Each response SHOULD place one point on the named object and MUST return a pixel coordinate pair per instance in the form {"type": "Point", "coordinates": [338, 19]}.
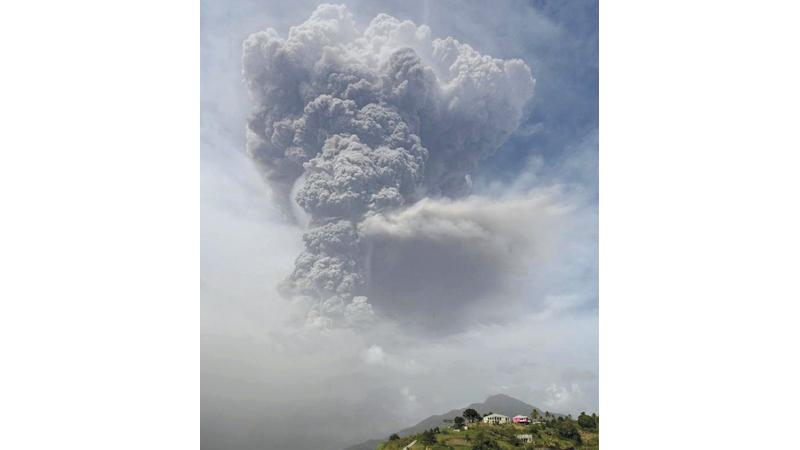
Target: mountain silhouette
{"type": "Point", "coordinates": [498, 403]}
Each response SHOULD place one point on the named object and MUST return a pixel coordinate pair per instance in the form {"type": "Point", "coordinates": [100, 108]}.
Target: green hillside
{"type": "Point", "coordinates": [561, 433]}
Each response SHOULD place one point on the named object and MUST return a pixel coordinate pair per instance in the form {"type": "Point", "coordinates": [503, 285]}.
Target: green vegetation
{"type": "Point", "coordinates": [588, 422]}
{"type": "Point", "coordinates": [562, 433]}
{"type": "Point", "coordinates": [471, 415]}
{"type": "Point", "coordinates": [484, 442]}
{"type": "Point", "coordinates": [428, 437]}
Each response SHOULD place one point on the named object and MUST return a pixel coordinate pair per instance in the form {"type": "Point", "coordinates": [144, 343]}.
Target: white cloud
{"type": "Point", "coordinates": [374, 355]}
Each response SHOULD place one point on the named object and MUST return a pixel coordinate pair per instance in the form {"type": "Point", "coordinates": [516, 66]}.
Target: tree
{"type": "Point", "coordinates": [394, 437]}
{"type": "Point", "coordinates": [428, 437]}
{"type": "Point", "coordinates": [458, 421]}
{"type": "Point", "coordinates": [568, 430]}
{"type": "Point", "coordinates": [589, 422]}
{"type": "Point", "coordinates": [535, 414]}
{"type": "Point", "coordinates": [471, 415]}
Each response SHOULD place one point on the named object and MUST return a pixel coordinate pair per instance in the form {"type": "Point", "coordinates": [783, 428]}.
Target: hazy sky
{"type": "Point", "coordinates": [491, 292]}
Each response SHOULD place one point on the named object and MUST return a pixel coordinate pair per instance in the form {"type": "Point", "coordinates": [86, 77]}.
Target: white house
{"type": "Point", "coordinates": [525, 438]}
{"type": "Point", "coordinates": [496, 419]}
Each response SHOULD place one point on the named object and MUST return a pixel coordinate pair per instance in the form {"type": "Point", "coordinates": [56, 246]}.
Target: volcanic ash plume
{"type": "Point", "coordinates": [355, 124]}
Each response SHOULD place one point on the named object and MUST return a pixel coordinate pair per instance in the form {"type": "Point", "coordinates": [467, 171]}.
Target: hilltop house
{"type": "Point", "coordinates": [525, 438]}
{"type": "Point", "coordinates": [521, 419]}
{"type": "Point", "coordinates": [496, 419]}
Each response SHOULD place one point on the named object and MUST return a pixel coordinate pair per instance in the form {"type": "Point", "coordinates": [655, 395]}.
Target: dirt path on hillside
{"type": "Point", "coordinates": [407, 447]}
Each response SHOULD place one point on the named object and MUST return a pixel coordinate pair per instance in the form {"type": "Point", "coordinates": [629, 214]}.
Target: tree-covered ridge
{"type": "Point", "coordinates": [466, 432]}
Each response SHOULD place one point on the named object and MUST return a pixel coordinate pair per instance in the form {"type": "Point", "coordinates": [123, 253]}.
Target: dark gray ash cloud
{"type": "Point", "coordinates": [357, 124]}
{"type": "Point", "coordinates": [435, 260]}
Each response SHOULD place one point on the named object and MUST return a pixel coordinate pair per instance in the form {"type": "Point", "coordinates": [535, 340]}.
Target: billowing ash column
{"type": "Point", "coordinates": [368, 122]}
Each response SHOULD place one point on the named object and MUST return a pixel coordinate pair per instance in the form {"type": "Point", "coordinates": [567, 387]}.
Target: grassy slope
{"type": "Point", "coordinates": [501, 434]}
